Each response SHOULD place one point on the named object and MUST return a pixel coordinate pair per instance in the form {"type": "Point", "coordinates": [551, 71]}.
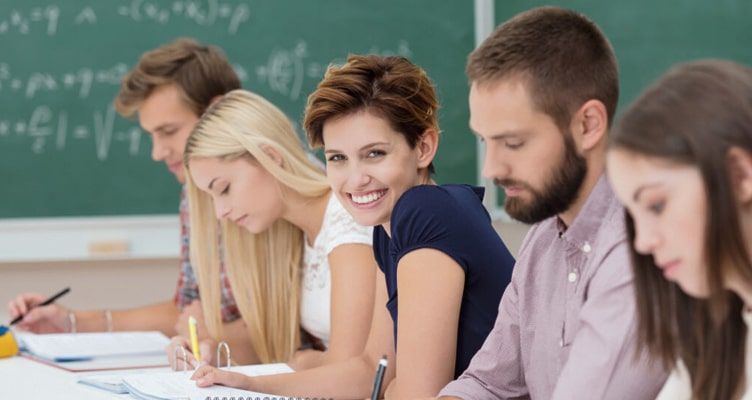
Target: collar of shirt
{"type": "Point", "coordinates": [590, 220]}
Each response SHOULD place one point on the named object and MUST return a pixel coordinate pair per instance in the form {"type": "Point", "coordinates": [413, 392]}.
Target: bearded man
{"type": "Point", "coordinates": [544, 89]}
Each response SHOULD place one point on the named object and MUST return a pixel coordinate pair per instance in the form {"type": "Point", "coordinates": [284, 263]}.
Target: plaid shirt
{"type": "Point", "coordinates": [187, 287]}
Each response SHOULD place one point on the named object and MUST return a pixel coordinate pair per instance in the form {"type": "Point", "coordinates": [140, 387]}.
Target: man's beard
{"type": "Point", "coordinates": [558, 193]}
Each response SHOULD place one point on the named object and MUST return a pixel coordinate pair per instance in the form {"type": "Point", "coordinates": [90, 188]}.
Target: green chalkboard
{"type": "Point", "coordinates": [650, 36]}
{"type": "Point", "coordinates": [65, 152]}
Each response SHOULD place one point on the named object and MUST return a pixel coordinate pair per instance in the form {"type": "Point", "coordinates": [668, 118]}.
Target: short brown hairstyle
{"type": "Point", "coordinates": [389, 87]}
{"type": "Point", "coordinates": [199, 72]}
{"type": "Point", "coordinates": [563, 57]}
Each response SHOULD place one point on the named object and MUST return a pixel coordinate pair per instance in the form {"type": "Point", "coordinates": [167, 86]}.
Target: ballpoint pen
{"type": "Point", "coordinates": [379, 378]}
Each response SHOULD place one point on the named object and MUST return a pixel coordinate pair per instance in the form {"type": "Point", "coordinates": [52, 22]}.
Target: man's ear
{"type": "Point", "coordinates": [739, 164]}
{"type": "Point", "coordinates": [590, 124]}
{"type": "Point", "coordinates": [426, 147]}
{"type": "Point", "coordinates": [215, 99]}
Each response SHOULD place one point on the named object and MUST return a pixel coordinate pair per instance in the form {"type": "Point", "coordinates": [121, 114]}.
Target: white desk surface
{"type": "Point", "coordinates": [28, 379]}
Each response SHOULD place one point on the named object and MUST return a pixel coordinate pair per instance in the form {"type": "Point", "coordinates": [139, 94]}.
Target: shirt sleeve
{"type": "Point", "coordinates": [229, 310]}
{"type": "Point", "coordinates": [425, 217]}
{"type": "Point", "coordinates": [187, 287]}
{"type": "Point", "coordinates": [600, 363]}
{"type": "Point", "coordinates": [342, 228]}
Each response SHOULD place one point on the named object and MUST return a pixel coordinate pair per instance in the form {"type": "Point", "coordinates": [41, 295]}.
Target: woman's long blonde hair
{"type": "Point", "coordinates": [264, 269]}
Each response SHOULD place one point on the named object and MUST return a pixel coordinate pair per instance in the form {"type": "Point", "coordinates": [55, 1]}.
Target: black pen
{"type": "Point", "coordinates": [379, 378]}
{"type": "Point", "coordinates": [44, 303]}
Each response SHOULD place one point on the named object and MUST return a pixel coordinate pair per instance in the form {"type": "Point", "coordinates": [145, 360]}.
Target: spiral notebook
{"type": "Point", "coordinates": [178, 385]}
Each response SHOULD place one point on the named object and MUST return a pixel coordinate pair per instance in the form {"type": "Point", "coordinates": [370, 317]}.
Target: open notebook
{"type": "Point", "coordinates": [85, 346]}
{"type": "Point", "coordinates": [97, 350]}
{"type": "Point", "coordinates": [178, 385]}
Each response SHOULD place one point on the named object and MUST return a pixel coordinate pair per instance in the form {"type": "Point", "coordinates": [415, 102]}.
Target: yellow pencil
{"type": "Point", "coordinates": [194, 338]}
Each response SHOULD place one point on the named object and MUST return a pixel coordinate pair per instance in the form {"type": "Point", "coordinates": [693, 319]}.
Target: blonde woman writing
{"type": "Point", "coordinates": [295, 257]}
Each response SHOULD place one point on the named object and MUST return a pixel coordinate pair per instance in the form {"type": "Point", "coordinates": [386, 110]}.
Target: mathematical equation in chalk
{"type": "Point", "coordinates": [50, 130]}
{"type": "Point", "coordinates": [79, 81]}
{"type": "Point", "coordinates": [48, 19]}
{"type": "Point", "coordinates": [286, 71]}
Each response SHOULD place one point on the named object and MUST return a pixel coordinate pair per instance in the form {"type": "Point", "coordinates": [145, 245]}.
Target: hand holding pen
{"type": "Point", "coordinates": [38, 313]}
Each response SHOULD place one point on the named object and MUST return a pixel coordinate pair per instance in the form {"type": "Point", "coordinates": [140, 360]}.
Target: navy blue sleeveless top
{"type": "Point", "coordinates": [451, 219]}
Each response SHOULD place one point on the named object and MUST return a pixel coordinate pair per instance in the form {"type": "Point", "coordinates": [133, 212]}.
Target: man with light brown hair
{"type": "Point", "coordinates": [544, 90]}
{"type": "Point", "coordinates": [167, 91]}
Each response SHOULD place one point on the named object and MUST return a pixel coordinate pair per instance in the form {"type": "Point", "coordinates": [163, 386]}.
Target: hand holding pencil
{"type": "Point", "coordinates": [192, 351]}
{"type": "Point", "coordinates": [184, 359]}
{"type": "Point", "coordinates": [194, 338]}
{"type": "Point", "coordinates": [39, 313]}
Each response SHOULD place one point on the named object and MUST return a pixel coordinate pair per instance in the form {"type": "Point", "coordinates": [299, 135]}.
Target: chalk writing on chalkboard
{"type": "Point", "coordinates": [79, 81]}
{"type": "Point", "coordinates": [38, 17]}
{"type": "Point", "coordinates": [286, 69]}
{"type": "Point", "coordinates": [63, 61]}
{"type": "Point", "coordinates": [51, 130]}
{"type": "Point", "coordinates": [285, 72]}
{"type": "Point", "coordinates": [204, 13]}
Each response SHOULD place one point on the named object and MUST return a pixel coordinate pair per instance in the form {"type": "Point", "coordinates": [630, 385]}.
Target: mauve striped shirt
{"type": "Point", "coordinates": [565, 328]}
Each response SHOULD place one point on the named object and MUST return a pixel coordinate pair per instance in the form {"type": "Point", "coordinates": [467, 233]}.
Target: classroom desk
{"type": "Point", "coordinates": [23, 378]}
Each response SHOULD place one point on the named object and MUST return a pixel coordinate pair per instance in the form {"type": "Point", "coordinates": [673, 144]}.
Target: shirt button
{"type": "Point", "coordinates": [586, 248]}
{"type": "Point", "coordinates": [561, 342]}
{"type": "Point", "coordinates": [572, 277]}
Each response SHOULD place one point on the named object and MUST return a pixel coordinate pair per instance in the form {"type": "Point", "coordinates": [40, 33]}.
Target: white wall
{"type": "Point", "coordinates": [511, 233]}
{"type": "Point", "coordinates": [56, 239]}
{"type": "Point", "coordinates": [109, 262]}
{"type": "Point", "coordinates": [95, 284]}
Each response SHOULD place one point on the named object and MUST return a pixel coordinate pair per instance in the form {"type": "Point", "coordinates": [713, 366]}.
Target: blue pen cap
{"type": "Point", "coordinates": [8, 345]}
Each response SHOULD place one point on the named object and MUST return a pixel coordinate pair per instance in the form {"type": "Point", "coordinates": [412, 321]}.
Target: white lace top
{"type": "Point", "coordinates": [337, 229]}
{"type": "Point", "coordinates": [679, 386]}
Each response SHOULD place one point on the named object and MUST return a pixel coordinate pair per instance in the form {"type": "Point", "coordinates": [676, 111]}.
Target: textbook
{"type": "Point", "coordinates": [97, 350]}
{"type": "Point", "coordinates": [177, 385]}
